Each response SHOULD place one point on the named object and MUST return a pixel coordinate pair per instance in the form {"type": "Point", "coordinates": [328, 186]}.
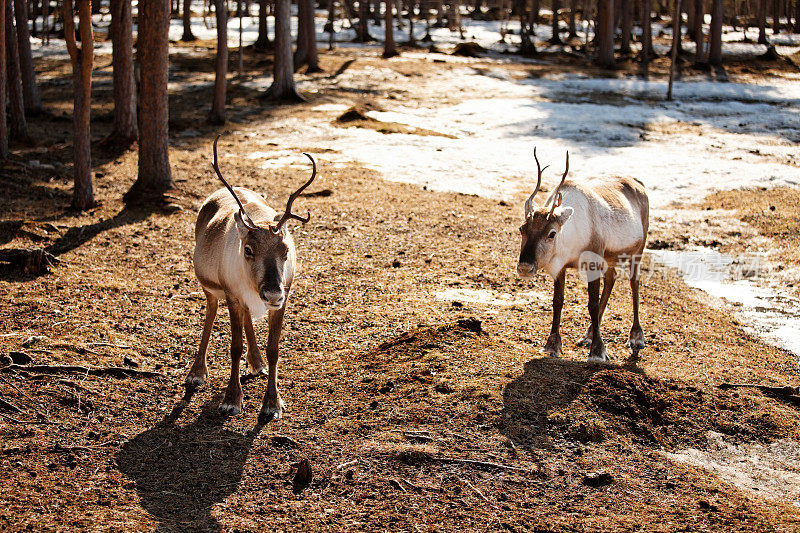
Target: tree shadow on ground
{"type": "Point", "coordinates": [547, 385]}
{"type": "Point", "coordinates": [181, 472]}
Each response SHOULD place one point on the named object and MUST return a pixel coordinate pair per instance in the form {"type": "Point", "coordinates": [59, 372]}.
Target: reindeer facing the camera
{"type": "Point", "coordinates": [246, 255]}
{"type": "Point", "coordinates": [590, 225]}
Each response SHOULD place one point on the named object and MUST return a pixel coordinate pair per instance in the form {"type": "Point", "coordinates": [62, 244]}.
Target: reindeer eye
{"type": "Point", "coordinates": [248, 252]}
{"type": "Point", "coordinates": [552, 234]}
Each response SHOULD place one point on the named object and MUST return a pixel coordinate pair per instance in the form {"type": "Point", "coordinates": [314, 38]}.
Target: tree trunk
{"type": "Point", "coordinates": [797, 16]}
{"type": "Point", "coordinates": [363, 22]}
{"type": "Point", "coordinates": [556, 38]}
{"type": "Point", "coordinates": [18, 127]}
{"type": "Point", "coordinates": [762, 22]}
{"type": "Point", "coordinates": [283, 87]}
{"type": "Point", "coordinates": [262, 41]}
{"type": "Point", "coordinates": [647, 34]}
{"type": "Point", "coordinates": [217, 115]}
{"type": "Point", "coordinates": [3, 92]}
{"type": "Point", "coordinates": [187, 22]}
{"type": "Point", "coordinates": [155, 176]}
{"type": "Point", "coordinates": [676, 44]}
{"type": "Point", "coordinates": [715, 39]}
{"type": "Point", "coordinates": [30, 93]}
{"type": "Point", "coordinates": [626, 27]}
{"type": "Point", "coordinates": [605, 34]}
{"type": "Point", "coordinates": [125, 130]}
{"type": "Point", "coordinates": [699, 40]}
{"type": "Point", "coordinates": [389, 48]}
{"type": "Point", "coordinates": [535, 8]}
{"type": "Point", "coordinates": [573, 8]}
{"type": "Point", "coordinates": [306, 53]}
{"type": "Point", "coordinates": [776, 17]}
{"type": "Point", "coordinates": [691, 26]}
{"type": "Point", "coordinates": [82, 62]}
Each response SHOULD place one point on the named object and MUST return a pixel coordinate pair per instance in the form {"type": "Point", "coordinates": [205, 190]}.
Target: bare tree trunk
{"type": "Point", "coordinates": [605, 34]}
{"type": "Point", "coordinates": [283, 87]}
{"type": "Point", "coordinates": [187, 22]}
{"type": "Point", "coordinates": [262, 41]}
{"type": "Point", "coordinates": [626, 27]}
{"type": "Point", "coordinates": [556, 38]}
{"type": "Point", "coordinates": [691, 25]}
{"type": "Point", "coordinates": [18, 126]}
{"type": "Point", "coordinates": [82, 62]}
{"type": "Point", "coordinates": [776, 17]}
{"type": "Point", "coordinates": [573, 8]}
{"type": "Point", "coordinates": [217, 115]}
{"type": "Point", "coordinates": [715, 38]}
{"type": "Point", "coordinates": [389, 48]}
{"type": "Point", "coordinates": [647, 34]}
{"type": "Point", "coordinates": [125, 130]}
{"type": "Point", "coordinates": [797, 16]}
{"type": "Point", "coordinates": [363, 22]}
{"type": "Point", "coordinates": [676, 43]}
{"type": "Point", "coordinates": [155, 176]}
{"type": "Point", "coordinates": [306, 53]}
{"type": "Point", "coordinates": [535, 8]}
{"type": "Point", "coordinates": [3, 76]}
{"type": "Point", "coordinates": [762, 22]}
{"type": "Point", "coordinates": [30, 93]}
{"type": "Point", "coordinates": [699, 16]}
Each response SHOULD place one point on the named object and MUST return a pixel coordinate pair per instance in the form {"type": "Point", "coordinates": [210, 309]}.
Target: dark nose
{"type": "Point", "coordinates": [272, 297]}
{"type": "Point", "coordinates": [525, 269]}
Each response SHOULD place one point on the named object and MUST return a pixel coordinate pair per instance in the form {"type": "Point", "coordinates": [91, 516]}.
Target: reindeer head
{"type": "Point", "coordinates": [541, 227]}
{"type": "Point", "coordinates": [266, 251]}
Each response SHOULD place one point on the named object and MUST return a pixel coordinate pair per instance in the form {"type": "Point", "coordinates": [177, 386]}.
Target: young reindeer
{"type": "Point", "coordinates": [590, 225]}
{"type": "Point", "coordinates": [245, 254]}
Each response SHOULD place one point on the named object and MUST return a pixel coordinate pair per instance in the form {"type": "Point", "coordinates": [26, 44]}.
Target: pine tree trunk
{"type": "Point", "coordinates": [389, 48]}
{"type": "Point", "coordinates": [762, 22]}
{"type": "Point", "coordinates": [262, 41]}
{"type": "Point", "coordinates": [301, 50]}
{"type": "Point", "coordinates": [283, 87]}
{"type": "Point", "coordinates": [155, 176]}
{"type": "Point", "coordinates": [82, 62]}
{"type": "Point", "coordinates": [30, 93]}
{"type": "Point", "coordinates": [363, 22]}
{"type": "Point", "coordinates": [125, 130]}
{"type": "Point", "coordinates": [3, 76]}
{"type": "Point", "coordinates": [699, 16]}
{"type": "Point", "coordinates": [573, 8]}
{"type": "Point", "coordinates": [626, 27]}
{"type": "Point", "coordinates": [605, 34]}
{"type": "Point", "coordinates": [18, 126]}
{"type": "Point", "coordinates": [776, 17]}
{"type": "Point", "coordinates": [556, 38]}
{"type": "Point", "coordinates": [187, 22]}
{"type": "Point", "coordinates": [715, 39]}
{"type": "Point", "coordinates": [217, 115]}
{"type": "Point", "coordinates": [312, 58]}
{"type": "Point", "coordinates": [647, 34]}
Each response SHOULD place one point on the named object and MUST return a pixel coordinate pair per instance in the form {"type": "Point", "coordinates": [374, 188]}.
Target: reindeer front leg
{"type": "Point", "coordinates": [273, 407]}
{"type": "Point", "coordinates": [553, 345]}
{"type": "Point", "coordinates": [232, 402]}
{"type": "Point", "coordinates": [254, 359]}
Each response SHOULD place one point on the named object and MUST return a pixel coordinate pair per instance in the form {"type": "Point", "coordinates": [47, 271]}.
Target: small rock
{"type": "Point", "coordinates": [597, 479]}
{"type": "Point", "coordinates": [20, 358]}
{"type": "Point", "coordinates": [303, 476]}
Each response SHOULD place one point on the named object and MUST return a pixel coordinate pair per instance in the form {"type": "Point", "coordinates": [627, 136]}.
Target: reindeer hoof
{"type": "Point", "coordinates": [584, 342]}
{"type": "Point", "coordinates": [193, 383]}
{"type": "Point", "coordinates": [269, 414]}
{"type": "Point", "coordinates": [636, 344]}
{"type": "Point", "coordinates": [229, 409]}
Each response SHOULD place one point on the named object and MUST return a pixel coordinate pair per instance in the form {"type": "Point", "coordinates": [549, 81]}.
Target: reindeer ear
{"type": "Point", "coordinates": [562, 214]}
{"type": "Point", "coordinates": [240, 225]}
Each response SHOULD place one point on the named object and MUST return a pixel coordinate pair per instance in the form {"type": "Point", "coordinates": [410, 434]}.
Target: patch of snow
{"type": "Point", "coordinates": [489, 298]}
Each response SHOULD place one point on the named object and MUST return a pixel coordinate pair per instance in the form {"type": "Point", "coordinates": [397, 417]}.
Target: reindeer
{"type": "Point", "coordinates": [245, 254]}
{"type": "Point", "coordinates": [591, 225]}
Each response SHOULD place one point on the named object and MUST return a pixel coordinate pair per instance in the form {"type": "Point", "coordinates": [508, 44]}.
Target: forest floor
{"type": "Point", "coordinates": [411, 362]}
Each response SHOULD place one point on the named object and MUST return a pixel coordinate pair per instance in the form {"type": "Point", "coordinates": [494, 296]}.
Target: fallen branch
{"type": "Point", "coordinates": [481, 464]}
{"type": "Point", "coordinates": [785, 390]}
{"type": "Point", "coordinates": [17, 421]}
{"type": "Point", "coordinates": [478, 492]}
{"type": "Point", "coordinates": [112, 371]}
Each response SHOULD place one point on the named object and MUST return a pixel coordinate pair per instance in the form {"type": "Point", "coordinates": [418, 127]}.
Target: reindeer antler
{"type": "Point", "coordinates": [288, 213]}
{"type": "Point", "coordinates": [539, 170]}
{"type": "Point", "coordinates": [557, 195]}
{"type": "Point", "coordinates": [246, 220]}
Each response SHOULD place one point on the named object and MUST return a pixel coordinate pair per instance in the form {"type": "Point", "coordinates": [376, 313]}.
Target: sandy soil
{"type": "Point", "coordinates": [390, 390]}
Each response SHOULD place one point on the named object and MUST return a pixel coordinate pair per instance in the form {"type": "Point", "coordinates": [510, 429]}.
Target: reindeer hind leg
{"type": "Point", "coordinates": [199, 371]}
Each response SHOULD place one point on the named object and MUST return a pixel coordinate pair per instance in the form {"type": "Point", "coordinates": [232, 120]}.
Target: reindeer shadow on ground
{"type": "Point", "coordinates": [181, 472]}
{"type": "Point", "coordinates": [547, 386]}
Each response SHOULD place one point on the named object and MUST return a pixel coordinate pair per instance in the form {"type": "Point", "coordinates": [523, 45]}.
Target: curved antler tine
{"type": "Point", "coordinates": [539, 170]}
{"type": "Point", "coordinates": [288, 213]}
{"type": "Point", "coordinates": [557, 198]}
{"type": "Point", "coordinates": [245, 217]}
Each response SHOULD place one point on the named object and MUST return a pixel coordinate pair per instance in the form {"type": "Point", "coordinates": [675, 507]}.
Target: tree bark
{"type": "Point", "coordinates": [626, 27]}
{"type": "Point", "coordinates": [363, 22]}
{"type": "Point", "coordinates": [30, 92]}
{"type": "Point", "coordinates": [306, 53]}
{"type": "Point", "coordinates": [155, 176]}
{"type": "Point", "coordinates": [715, 38]}
{"type": "Point", "coordinates": [18, 126]}
{"type": "Point", "coordinates": [3, 76]}
{"type": "Point", "coordinates": [699, 39]}
{"type": "Point", "coordinates": [262, 41]}
{"type": "Point", "coordinates": [125, 130]}
{"type": "Point", "coordinates": [605, 34]}
{"type": "Point", "coordinates": [82, 62]}
{"type": "Point", "coordinates": [556, 38]}
{"type": "Point", "coordinates": [283, 87]}
{"type": "Point", "coordinates": [762, 22]}
{"type": "Point", "coordinates": [217, 115]}
{"type": "Point", "coordinates": [389, 48]}
{"type": "Point", "coordinates": [676, 44]}
{"type": "Point", "coordinates": [187, 22]}
{"type": "Point", "coordinates": [776, 17]}
{"type": "Point", "coordinates": [647, 34]}
{"type": "Point", "coordinates": [573, 8]}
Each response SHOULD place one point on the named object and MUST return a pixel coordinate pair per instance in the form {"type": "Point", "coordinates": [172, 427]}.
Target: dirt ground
{"type": "Point", "coordinates": [414, 412]}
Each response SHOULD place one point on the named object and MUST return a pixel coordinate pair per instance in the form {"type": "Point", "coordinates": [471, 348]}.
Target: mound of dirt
{"type": "Point", "coordinates": [470, 49]}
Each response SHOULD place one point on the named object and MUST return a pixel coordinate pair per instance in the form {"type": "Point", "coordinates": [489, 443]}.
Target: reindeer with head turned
{"type": "Point", "coordinates": [245, 254]}
{"type": "Point", "coordinates": [591, 225]}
